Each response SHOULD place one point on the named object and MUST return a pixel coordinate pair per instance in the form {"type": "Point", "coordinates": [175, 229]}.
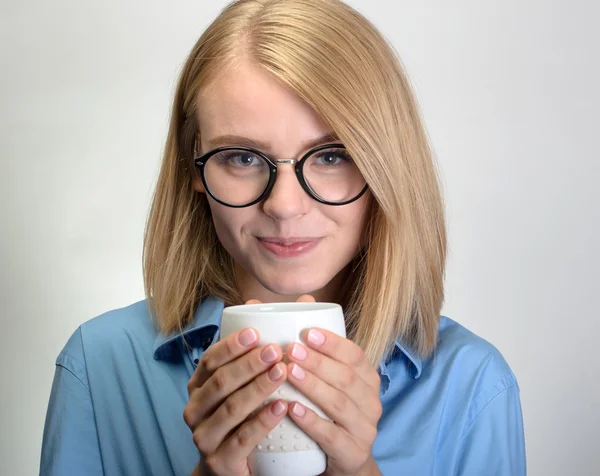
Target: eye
{"type": "Point", "coordinates": [239, 158]}
{"type": "Point", "coordinates": [332, 158]}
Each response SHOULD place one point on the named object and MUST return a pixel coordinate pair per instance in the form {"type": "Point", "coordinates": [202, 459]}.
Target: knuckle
{"type": "Point", "coordinates": [378, 409]}
{"type": "Point", "coordinates": [251, 365]}
{"type": "Point", "coordinates": [316, 360]}
{"type": "Point", "coordinates": [371, 434]}
{"type": "Point", "coordinates": [262, 423]}
{"type": "Point", "coordinates": [347, 378]}
{"type": "Point", "coordinates": [263, 385]}
{"type": "Point", "coordinates": [230, 344]}
{"type": "Point", "coordinates": [230, 407]}
{"type": "Point", "coordinates": [208, 363]}
{"type": "Point", "coordinates": [341, 403]}
{"type": "Point", "coordinates": [188, 416]}
{"type": "Point", "coordinates": [357, 358]}
{"type": "Point", "coordinates": [199, 440]}
{"type": "Point", "coordinates": [265, 421]}
{"type": "Point", "coordinates": [219, 381]}
{"type": "Point", "coordinates": [330, 438]}
{"type": "Point", "coordinates": [243, 437]}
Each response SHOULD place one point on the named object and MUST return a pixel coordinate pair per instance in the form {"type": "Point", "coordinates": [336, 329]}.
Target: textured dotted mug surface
{"type": "Point", "coordinates": [287, 436]}
{"type": "Point", "coordinates": [286, 449]}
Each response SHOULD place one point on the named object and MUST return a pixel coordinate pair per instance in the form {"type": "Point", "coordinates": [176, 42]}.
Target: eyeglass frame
{"type": "Point", "coordinates": [201, 161]}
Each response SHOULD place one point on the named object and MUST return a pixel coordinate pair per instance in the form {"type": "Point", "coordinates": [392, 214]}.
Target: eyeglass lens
{"type": "Point", "coordinates": [238, 177]}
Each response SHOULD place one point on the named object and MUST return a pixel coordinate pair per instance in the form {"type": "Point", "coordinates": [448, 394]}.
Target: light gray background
{"type": "Point", "coordinates": [509, 92]}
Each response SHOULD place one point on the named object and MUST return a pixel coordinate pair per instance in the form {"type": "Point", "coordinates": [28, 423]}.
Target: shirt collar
{"type": "Point", "coordinates": [410, 354]}
{"type": "Point", "coordinates": [199, 333]}
{"type": "Point", "coordinates": [399, 349]}
{"type": "Point", "coordinates": [204, 328]}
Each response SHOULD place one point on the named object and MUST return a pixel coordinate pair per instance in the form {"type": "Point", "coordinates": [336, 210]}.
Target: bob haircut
{"type": "Point", "coordinates": [339, 63]}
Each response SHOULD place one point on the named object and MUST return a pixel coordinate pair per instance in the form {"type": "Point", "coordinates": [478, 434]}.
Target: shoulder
{"type": "Point", "coordinates": [474, 366]}
{"type": "Point", "coordinates": [121, 323]}
{"type": "Point", "coordinates": [458, 345]}
{"type": "Point", "coordinates": [110, 333]}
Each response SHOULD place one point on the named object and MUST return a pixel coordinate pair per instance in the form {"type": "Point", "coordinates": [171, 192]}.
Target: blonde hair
{"type": "Point", "coordinates": [337, 61]}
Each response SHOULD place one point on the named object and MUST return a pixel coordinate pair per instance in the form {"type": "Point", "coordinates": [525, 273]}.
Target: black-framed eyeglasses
{"type": "Point", "coordinates": [239, 177]}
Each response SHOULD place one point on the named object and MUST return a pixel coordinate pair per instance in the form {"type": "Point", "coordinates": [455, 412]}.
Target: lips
{"type": "Point", "coordinates": [287, 241]}
{"type": "Point", "coordinates": [288, 247]}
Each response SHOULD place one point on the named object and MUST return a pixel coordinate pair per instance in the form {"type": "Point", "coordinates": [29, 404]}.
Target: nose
{"type": "Point", "coordinates": [287, 198]}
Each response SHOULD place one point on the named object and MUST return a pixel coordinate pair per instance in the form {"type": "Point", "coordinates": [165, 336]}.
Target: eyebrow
{"type": "Point", "coordinates": [231, 139]}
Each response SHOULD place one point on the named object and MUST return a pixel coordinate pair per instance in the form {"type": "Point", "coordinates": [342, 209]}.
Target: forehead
{"type": "Point", "coordinates": [247, 101]}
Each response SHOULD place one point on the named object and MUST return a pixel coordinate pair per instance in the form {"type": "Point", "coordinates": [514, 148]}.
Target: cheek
{"type": "Point", "coordinates": [230, 225]}
{"type": "Point", "coordinates": [365, 213]}
{"type": "Point", "coordinates": [227, 222]}
{"type": "Point", "coordinates": [352, 221]}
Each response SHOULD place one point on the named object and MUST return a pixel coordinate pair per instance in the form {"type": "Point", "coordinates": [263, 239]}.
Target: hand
{"type": "Point", "coordinates": [232, 379]}
{"type": "Point", "coordinates": [333, 373]}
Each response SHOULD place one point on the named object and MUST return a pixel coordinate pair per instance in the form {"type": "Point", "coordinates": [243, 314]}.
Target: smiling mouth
{"type": "Point", "coordinates": [288, 247]}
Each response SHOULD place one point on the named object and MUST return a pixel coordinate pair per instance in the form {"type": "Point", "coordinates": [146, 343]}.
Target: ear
{"type": "Point", "coordinates": [197, 182]}
{"type": "Point", "coordinates": [196, 178]}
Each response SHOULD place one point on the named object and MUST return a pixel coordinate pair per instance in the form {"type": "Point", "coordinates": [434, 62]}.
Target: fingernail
{"type": "Point", "coordinates": [298, 352]}
{"type": "Point", "coordinates": [278, 408]}
{"type": "Point", "coordinates": [275, 373]}
{"type": "Point", "coordinates": [298, 410]}
{"type": "Point", "coordinates": [315, 337]}
{"type": "Point", "coordinates": [268, 354]}
{"type": "Point", "coordinates": [247, 337]}
{"type": "Point", "coordinates": [297, 372]}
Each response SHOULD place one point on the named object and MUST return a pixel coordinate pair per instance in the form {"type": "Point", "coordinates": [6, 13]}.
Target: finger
{"type": "Point", "coordinates": [341, 449]}
{"type": "Point", "coordinates": [344, 350]}
{"type": "Point", "coordinates": [305, 298]}
{"type": "Point", "coordinates": [221, 353]}
{"type": "Point", "coordinates": [339, 376]}
{"type": "Point", "coordinates": [226, 380]}
{"type": "Point", "coordinates": [236, 408]}
{"type": "Point", "coordinates": [336, 404]}
{"type": "Point", "coordinates": [238, 446]}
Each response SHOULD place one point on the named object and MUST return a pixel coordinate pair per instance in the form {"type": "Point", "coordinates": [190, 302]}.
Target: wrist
{"type": "Point", "coordinates": [370, 469]}
{"type": "Point", "coordinates": [196, 471]}
{"type": "Point", "coordinates": [200, 470]}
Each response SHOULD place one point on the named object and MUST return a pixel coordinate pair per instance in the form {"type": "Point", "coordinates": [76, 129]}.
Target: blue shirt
{"type": "Point", "coordinates": [119, 391]}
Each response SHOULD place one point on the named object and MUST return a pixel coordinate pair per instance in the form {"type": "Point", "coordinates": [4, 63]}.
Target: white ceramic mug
{"type": "Point", "coordinates": [287, 450]}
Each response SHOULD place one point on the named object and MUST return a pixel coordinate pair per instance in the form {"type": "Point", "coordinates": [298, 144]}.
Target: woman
{"type": "Point", "coordinates": [296, 167]}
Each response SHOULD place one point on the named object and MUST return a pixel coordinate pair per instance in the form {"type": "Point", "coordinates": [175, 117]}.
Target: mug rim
{"type": "Point", "coordinates": [281, 307]}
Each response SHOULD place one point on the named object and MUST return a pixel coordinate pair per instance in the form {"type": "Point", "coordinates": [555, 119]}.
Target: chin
{"type": "Point", "coordinates": [293, 285]}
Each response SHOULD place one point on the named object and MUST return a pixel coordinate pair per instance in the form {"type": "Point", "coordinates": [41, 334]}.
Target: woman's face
{"type": "Point", "coordinates": [289, 244]}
